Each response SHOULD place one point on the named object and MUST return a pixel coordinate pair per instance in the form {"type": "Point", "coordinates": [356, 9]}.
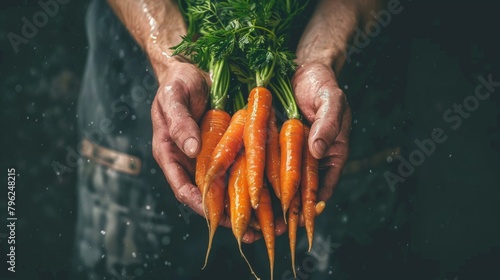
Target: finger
{"type": "Point", "coordinates": [183, 129]}
{"type": "Point", "coordinates": [177, 176]}
{"type": "Point", "coordinates": [251, 236]}
{"type": "Point", "coordinates": [330, 104]}
{"type": "Point", "coordinates": [178, 170]}
{"type": "Point", "coordinates": [336, 160]}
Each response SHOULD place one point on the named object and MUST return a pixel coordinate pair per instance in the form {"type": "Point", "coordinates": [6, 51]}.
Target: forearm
{"type": "Point", "coordinates": [156, 25]}
{"type": "Point", "coordinates": [327, 34]}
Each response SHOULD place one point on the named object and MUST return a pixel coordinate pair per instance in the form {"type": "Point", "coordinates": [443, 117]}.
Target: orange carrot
{"type": "Point", "coordinates": [239, 202]}
{"type": "Point", "coordinates": [213, 126]}
{"type": "Point", "coordinates": [273, 154]}
{"type": "Point", "coordinates": [226, 150]}
{"type": "Point", "coordinates": [214, 209]}
{"type": "Point", "coordinates": [254, 137]}
{"type": "Point", "coordinates": [265, 216]}
{"type": "Point", "coordinates": [291, 142]}
{"type": "Point", "coordinates": [309, 188]}
{"type": "Point", "coordinates": [293, 222]}
{"type": "Point", "coordinates": [214, 123]}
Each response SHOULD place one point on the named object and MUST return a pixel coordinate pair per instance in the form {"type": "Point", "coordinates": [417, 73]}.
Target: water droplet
{"type": "Point", "coordinates": [371, 171]}
{"type": "Point", "coordinates": [344, 218]}
{"type": "Point", "coordinates": [167, 263]}
{"type": "Point", "coordinates": [346, 87]}
{"type": "Point", "coordinates": [18, 88]}
{"type": "Point", "coordinates": [102, 257]}
{"type": "Point", "coordinates": [148, 207]}
{"type": "Point", "coordinates": [133, 117]}
{"type": "Point", "coordinates": [355, 121]}
{"type": "Point", "coordinates": [389, 159]}
{"type": "Point", "coordinates": [450, 155]}
{"type": "Point", "coordinates": [134, 255]}
{"type": "Point", "coordinates": [103, 232]}
{"type": "Point", "coordinates": [153, 171]}
{"type": "Point", "coordinates": [330, 272]}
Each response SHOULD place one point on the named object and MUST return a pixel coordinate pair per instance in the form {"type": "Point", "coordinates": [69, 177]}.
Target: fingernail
{"type": "Point", "coordinates": [190, 146]}
{"type": "Point", "coordinates": [319, 147]}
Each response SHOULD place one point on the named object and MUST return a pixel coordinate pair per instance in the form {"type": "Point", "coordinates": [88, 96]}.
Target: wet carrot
{"type": "Point", "coordinates": [213, 125]}
{"type": "Point", "coordinates": [226, 150]}
{"type": "Point", "coordinates": [293, 222]}
{"type": "Point", "coordinates": [214, 209]}
{"type": "Point", "coordinates": [239, 202]}
{"type": "Point", "coordinates": [291, 142]}
{"type": "Point", "coordinates": [265, 216]}
{"type": "Point", "coordinates": [254, 138]}
{"type": "Point", "coordinates": [273, 154]}
{"type": "Point", "coordinates": [309, 188]}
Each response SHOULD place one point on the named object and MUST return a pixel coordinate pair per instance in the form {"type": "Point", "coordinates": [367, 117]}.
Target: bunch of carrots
{"type": "Point", "coordinates": [240, 43]}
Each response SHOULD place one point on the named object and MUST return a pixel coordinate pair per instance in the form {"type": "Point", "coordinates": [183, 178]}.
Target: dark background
{"type": "Point", "coordinates": [455, 226]}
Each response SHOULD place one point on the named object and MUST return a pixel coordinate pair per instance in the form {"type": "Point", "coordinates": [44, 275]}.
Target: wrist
{"type": "Point", "coordinates": [326, 36]}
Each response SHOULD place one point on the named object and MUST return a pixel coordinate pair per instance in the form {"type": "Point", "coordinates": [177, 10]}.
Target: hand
{"type": "Point", "coordinates": [324, 105]}
{"type": "Point", "coordinates": [179, 104]}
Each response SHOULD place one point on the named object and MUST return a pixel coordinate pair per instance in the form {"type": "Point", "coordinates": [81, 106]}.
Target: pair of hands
{"type": "Point", "coordinates": [181, 101]}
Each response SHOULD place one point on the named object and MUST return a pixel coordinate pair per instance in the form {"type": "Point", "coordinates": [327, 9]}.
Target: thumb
{"type": "Point", "coordinates": [182, 128]}
{"type": "Point", "coordinates": [327, 121]}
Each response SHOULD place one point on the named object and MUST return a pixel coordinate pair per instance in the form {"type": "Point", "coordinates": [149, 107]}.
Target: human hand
{"type": "Point", "coordinates": [178, 105]}
{"type": "Point", "coordinates": [324, 106]}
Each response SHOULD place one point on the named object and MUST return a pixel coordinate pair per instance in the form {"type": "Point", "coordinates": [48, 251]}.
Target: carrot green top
{"type": "Point", "coordinates": [246, 37]}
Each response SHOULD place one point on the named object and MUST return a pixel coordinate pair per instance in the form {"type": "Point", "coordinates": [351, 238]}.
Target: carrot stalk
{"type": "Point", "coordinates": [273, 154]}
{"type": "Point", "coordinates": [293, 221]}
{"type": "Point", "coordinates": [309, 188]}
{"type": "Point", "coordinates": [265, 216]}
{"type": "Point", "coordinates": [239, 203]}
{"type": "Point", "coordinates": [226, 150]}
{"type": "Point", "coordinates": [291, 142]}
{"type": "Point", "coordinates": [254, 138]}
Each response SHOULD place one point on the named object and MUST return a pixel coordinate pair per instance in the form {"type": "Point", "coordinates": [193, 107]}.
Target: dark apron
{"type": "Point", "coordinates": [130, 226]}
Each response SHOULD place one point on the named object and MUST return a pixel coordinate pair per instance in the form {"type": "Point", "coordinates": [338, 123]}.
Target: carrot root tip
{"type": "Point", "coordinates": [246, 260]}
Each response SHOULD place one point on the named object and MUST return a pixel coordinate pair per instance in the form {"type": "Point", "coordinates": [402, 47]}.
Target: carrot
{"type": "Point", "coordinates": [291, 142]}
{"type": "Point", "coordinates": [239, 202]}
{"type": "Point", "coordinates": [226, 150]}
{"type": "Point", "coordinates": [293, 222]}
{"type": "Point", "coordinates": [213, 126]}
{"type": "Point", "coordinates": [273, 154]}
{"type": "Point", "coordinates": [309, 188]}
{"type": "Point", "coordinates": [265, 216]}
{"type": "Point", "coordinates": [214, 210]}
{"type": "Point", "coordinates": [254, 138]}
